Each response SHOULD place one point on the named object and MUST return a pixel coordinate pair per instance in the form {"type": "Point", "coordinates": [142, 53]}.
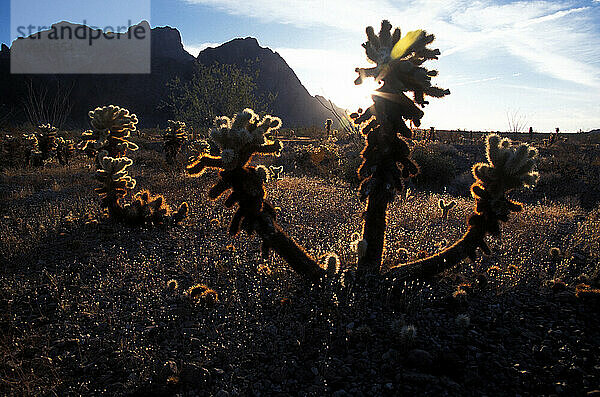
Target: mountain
{"type": "Point", "coordinates": [294, 104]}
{"type": "Point", "coordinates": [143, 93]}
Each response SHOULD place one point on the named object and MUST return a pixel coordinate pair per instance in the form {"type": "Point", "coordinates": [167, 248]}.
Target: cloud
{"type": "Point", "coordinates": [195, 49]}
{"type": "Point", "coordinates": [555, 38]}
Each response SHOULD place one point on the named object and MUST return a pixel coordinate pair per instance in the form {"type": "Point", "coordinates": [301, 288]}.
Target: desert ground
{"type": "Point", "coordinates": [88, 306]}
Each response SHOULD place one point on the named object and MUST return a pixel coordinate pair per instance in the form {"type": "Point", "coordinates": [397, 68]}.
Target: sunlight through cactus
{"type": "Point", "coordinates": [398, 66]}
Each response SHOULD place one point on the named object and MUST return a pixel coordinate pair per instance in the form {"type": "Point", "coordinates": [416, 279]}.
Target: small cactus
{"type": "Point", "coordinates": [174, 138]}
{"type": "Point", "coordinates": [112, 128]}
{"type": "Point", "coordinates": [328, 124]}
{"type": "Point", "coordinates": [172, 285]}
{"type": "Point", "coordinates": [332, 264]}
{"type": "Point", "coordinates": [201, 293]}
{"type": "Point", "coordinates": [446, 207]}
{"type": "Point", "coordinates": [276, 172]}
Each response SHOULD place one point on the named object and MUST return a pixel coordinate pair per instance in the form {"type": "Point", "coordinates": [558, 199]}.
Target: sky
{"type": "Point", "coordinates": [538, 60]}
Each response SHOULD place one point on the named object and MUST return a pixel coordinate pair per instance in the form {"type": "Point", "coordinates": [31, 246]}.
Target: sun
{"type": "Point", "coordinates": [351, 97]}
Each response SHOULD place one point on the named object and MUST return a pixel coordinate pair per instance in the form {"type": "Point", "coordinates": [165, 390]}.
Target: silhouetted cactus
{"type": "Point", "coordinates": [41, 146]}
{"type": "Point", "coordinates": [174, 137]}
{"type": "Point", "coordinates": [239, 139]}
{"type": "Point", "coordinates": [276, 172]}
{"type": "Point", "coordinates": [446, 207]}
{"type": "Point", "coordinates": [328, 124]}
{"type": "Point", "coordinates": [398, 66]}
{"type": "Point", "coordinates": [202, 294]}
{"type": "Point", "coordinates": [65, 150]}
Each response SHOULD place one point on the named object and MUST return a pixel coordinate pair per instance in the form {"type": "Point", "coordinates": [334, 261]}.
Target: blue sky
{"type": "Point", "coordinates": [537, 58]}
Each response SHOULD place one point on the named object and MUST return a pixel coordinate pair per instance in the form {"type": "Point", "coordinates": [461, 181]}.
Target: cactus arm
{"type": "Point", "coordinates": [286, 247]}
{"type": "Point", "coordinates": [433, 265]}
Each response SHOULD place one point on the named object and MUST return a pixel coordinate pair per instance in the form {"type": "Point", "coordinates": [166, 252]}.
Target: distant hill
{"type": "Point", "coordinates": [142, 94]}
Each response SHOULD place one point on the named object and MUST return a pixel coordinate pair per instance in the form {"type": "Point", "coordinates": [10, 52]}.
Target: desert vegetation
{"type": "Point", "coordinates": [374, 261]}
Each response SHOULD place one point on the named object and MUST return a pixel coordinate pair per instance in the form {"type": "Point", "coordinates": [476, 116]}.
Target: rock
{"type": "Point", "coordinates": [418, 358]}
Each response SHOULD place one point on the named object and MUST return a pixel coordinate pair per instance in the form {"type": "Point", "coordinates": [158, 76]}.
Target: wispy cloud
{"type": "Point", "coordinates": [555, 37]}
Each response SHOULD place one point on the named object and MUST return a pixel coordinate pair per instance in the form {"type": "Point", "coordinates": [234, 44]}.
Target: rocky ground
{"type": "Point", "coordinates": [86, 308]}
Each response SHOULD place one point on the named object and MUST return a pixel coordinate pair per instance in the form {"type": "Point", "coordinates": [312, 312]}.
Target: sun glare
{"type": "Point", "coordinates": [353, 96]}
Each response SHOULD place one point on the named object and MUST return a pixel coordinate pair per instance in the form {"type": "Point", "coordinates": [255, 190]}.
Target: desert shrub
{"type": "Point", "coordinates": [435, 169]}
{"type": "Point", "coordinates": [214, 90]}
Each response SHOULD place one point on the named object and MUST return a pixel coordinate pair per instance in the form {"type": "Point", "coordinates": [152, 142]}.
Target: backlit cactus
{"type": "Point", "coordinates": [386, 157]}
{"type": "Point", "coordinates": [175, 137]}
{"type": "Point", "coordinates": [42, 146]}
{"type": "Point", "coordinates": [64, 150]}
{"type": "Point", "coordinates": [239, 139]}
{"type": "Point", "coordinates": [328, 124]}
{"type": "Point", "coordinates": [111, 129]}
{"type": "Point", "coordinates": [446, 207]}
{"type": "Point", "coordinates": [113, 177]}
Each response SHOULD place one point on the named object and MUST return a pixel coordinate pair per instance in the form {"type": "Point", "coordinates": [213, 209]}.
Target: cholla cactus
{"type": "Point", "coordinates": [239, 139]}
{"type": "Point", "coordinates": [508, 168]}
{"type": "Point", "coordinates": [112, 127]}
{"type": "Point", "coordinates": [446, 207]}
{"type": "Point", "coordinates": [33, 155]}
{"type": "Point", "coordinates": [276, 172]}
{"type": "Point", "coordinates": [202, 294]}
{"type": "Point", "coordinates": [398, 66]}
{"type": "Point", "coordinates": [174, 137]}
{"type": "Point", "coordinates": [146, 208]}
{"type": "Point", "coordinates": [65, 149]}
{"type": "Point", "coordinates": [114, 180]}
{"type": "Point", "coordinates": [114, 124]}
{"type": "Point", "coordinates": [328, 124]}
{"type": "Point", "coordinates": [331, 264]}
{"type": "Point", "coordinates": [41, 146]}
{"type": "Point", "coordinates": [48, 141]}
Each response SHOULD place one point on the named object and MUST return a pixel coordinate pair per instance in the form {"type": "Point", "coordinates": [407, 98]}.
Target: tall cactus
{"type": "Point", "coordinates": [174, 137]}
{"type": "Point", "coordinates": [386, 157]}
